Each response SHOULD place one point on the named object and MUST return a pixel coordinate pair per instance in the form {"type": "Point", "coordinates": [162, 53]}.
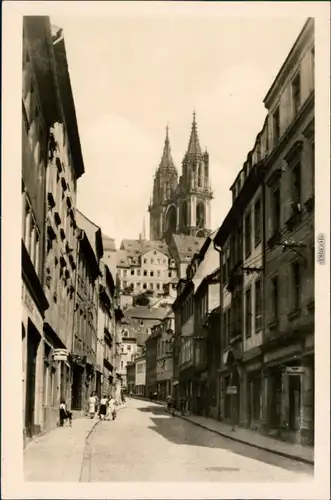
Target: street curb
{"type": "Point", "coordinates": [85, 469]}
{"type": "Point", "coordinates": [276, 452]}
{"type": "Point", "coordinates": [86, 453]}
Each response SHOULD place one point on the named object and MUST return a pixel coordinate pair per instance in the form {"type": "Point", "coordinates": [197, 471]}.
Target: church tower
{"type": "Point", "coordinates": [194, 193]}
{"type": "Point", "coordinates": [162, 208]}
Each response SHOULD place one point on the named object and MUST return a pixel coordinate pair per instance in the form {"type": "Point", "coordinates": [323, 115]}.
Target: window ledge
{"type": "Point", "coordinates": [310, 203]}
{"type": "Point", "coordinates": [293, 220]}
{"type": "Point", "coordinates": [258, 330]}
{"type": "Point", "coordinates": [294, 314]}
{"type": "Point", "coordinates": [273, 239]}
{"type": "Point", "coordinates": [235, 339]}
{"type": "Point", "coordinates": [273, 324]}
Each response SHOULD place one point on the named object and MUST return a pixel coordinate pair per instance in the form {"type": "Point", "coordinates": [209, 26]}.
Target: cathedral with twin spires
{"type": "Point", "coordinates": [181, 205]}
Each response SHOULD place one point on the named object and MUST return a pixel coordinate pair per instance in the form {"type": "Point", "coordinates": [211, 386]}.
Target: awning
{"type": "Point", "coordinates": [175, 382]}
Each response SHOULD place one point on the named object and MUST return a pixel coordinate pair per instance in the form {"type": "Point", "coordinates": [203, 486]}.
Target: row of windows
{"type": "Point", "coordinates": [253, 232]}
{"type": "Point", "coordinates": [292, 187]}
{"type": "Point", "coordinates": [186, 352]}
{"type": "Point", "coordinates": [137, 272]}
{"type": "Point", "coordinates": [147, 286]}
{"type": "Point", "coordinates": [128, 348]}
{"type": "Point", "coordinates": [163, 347]}
{"type": "Point", "coordinates": [295, 283]}
{"type": "Point", "coordinates": [30, 232]}
{"type": "Point", "coordinates": [187, 309]}
{"type": "Point", "coordinates": [257, 290]}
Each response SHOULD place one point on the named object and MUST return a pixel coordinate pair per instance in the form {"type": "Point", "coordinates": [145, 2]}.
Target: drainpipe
{"type": "Point", "coordinates": [218, 385]}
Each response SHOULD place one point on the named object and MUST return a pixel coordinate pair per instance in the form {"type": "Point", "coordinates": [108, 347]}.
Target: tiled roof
{"type": "Point", "coordinates": [194, 145]}
{"type": "Point", "coordinates": [142, 312]}
{"type": "Point", "coordinates": [108, 243]}
{"type": "Point", "coordinates": [134, 248]}
{"type": "Point", "coordinates": [90, 229]}
{"type": "Point", "coordinates": [122, 259]}
{"type": "Point", "coordinates": [187, 246]}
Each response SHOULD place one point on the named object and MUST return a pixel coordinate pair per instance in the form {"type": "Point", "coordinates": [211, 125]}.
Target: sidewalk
{"type": "Point", "coordinates": [289, 450]}
{"type": "Point", "coordinates": [58, 454]}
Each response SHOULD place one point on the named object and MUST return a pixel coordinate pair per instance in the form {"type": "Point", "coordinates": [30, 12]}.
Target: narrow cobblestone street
{"type": "Point", "coordinates": [146, 444]}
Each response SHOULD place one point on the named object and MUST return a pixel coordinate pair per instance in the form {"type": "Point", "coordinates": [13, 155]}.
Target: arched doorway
{"type": "Point", "coordinates": [33, 340]}
{"type": "Point", "coordinates": [200, 215]}
{"type": "Point", "coordinates": [184, 214]}
{"type": "Point", "coordinates": [171, 220]}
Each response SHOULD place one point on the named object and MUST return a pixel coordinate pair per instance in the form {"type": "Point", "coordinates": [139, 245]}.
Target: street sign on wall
{"type": "Point", "coordinates": [232, 389]}
{"type": "Point", "coordinates": [295, 370]}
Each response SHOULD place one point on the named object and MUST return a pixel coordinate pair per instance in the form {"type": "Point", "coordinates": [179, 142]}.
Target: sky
{"type": "Point", "coordinates": [133, 76]}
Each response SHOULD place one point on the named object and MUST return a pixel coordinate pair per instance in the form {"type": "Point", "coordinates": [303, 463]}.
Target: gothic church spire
{"type": "Point", "coordinates": [194, 144]}
{"type": "Point", "coordinates": [166, 160]}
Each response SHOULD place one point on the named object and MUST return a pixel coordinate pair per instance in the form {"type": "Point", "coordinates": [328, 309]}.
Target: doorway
{"type": "Point", "coordinates": [294, 402]}
{"type": "Point", "coordinates": [76, 397]}
{"type": "Point", "coordinates": [33, 341]}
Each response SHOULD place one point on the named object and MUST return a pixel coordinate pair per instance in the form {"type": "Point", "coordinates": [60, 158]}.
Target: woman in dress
{"type": "Point", "coordinates": [103, 407]}
{"type": "Point", "coordinates": [92, 404]}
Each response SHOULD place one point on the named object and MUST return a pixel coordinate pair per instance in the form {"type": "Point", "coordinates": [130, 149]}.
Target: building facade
{"type": "Point", "coordinates": [50, 142]}
{"type": "Point", "coordinates": [35, 122]}
{"type": "Point", "coordinates": [145, 267]}
{"type": "Point", "coordinates": [105, 352]}
{"type": "Point", "coordinates": [131, 377]}
{"type": "Point", "coordinates": [140, 377]}
{"type": "Point", "coordinates": [288, 378]}
{"type": "Point", "coordinates": [266, 245]}
{"type": "Point", "coordinates": [164, 360]}
{"type": "Point", "coordinates": [84, 349]}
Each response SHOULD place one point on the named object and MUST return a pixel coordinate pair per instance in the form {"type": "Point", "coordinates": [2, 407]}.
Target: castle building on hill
{"type": "Point", "coordinates": [179, 224]}
{"type": "Point", "coordinates": [181, 206]}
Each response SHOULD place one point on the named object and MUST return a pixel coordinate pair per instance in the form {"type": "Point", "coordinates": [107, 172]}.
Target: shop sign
{"type": "Point", "coordinates": [30, 305]}
{"type": "Point", "coordinates": [295, 370]}
{"type": "Point", "coordinates": [232, 389]}
{"type": "Point", "coordinates": [60, 354]}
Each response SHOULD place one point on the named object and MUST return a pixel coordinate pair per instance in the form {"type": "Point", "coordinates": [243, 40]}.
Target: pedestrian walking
{"type": "Point", "coordinates": [169, 402]}
{"type": "Point", "coordinates": [111, 408]}
{"type": "Point", "coordinates": [93, 404]}
{"type": "Point", "coordinates": [65, 414]}
{"type": "Point", "coordinates": [103, 407]}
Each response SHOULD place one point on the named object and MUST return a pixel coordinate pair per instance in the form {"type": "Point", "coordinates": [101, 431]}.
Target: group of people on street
{"type": "Point", "coordinates": [105, 408]}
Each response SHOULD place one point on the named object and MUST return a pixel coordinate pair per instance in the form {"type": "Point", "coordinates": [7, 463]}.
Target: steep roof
{"type": "Point", "coordinates": [108, 243]}
{"type": "Point", "coordinates": [167, 162]}
{"type": "Point", "coordinates": [122, 259]}
{"type": "Point", "coordinates": [135, 248]}
{"type": "Point", "coordinates": [194, 148]}
{"type": "Point", "coordinates": [187, 245]}
{"type": "Point", "coordinates": [141, 312]}
{"type": "Point", "coordinates": [210, 262]}
{"type": "Point", "coordinates": [92, 231]}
